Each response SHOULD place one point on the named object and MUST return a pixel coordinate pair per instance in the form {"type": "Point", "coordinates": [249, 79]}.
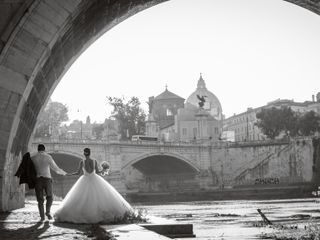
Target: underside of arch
{"type": "Point", "coordinates": [67, 162]}
{"type": "Point", "coordinates": [163, 164]}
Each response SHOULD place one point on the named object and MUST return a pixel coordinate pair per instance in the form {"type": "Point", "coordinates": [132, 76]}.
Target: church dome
{"type": "Point", "coordinates": [211, 105]}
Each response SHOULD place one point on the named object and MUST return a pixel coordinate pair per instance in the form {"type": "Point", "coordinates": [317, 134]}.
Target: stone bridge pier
{"type": "Point", "coordinates": [39, 41]}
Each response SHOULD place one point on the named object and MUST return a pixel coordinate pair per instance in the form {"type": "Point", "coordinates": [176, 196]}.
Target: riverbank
{"type": "Point", "coordinates": [211, 220]}
{"type": "Point", "coordinates": [24, 224]}
{"type": "Point", "coordinates": [241, 193]}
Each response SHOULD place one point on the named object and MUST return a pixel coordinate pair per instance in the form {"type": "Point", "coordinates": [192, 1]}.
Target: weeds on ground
{"type": "Point", "coordinates": [135, 216]}
{"type": "Point", "coordinates": [310, 231]}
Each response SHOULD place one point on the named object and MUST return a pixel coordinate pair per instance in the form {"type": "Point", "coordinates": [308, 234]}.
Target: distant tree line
{"type": "Point", "coordinates": [50, 119]}
{"type": "Point", "coordinates": [275, 121]}
{"type": "Point", "coordinates": [130, 116]}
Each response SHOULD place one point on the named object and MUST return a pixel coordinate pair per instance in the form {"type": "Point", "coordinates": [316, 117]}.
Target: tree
{"type": "Point", "coordinates": [51, 118]}
{"type": "Point", "coordinates": [130, 115]}
{"type": "Point", "coordinates": [309, 123]}
{"type": "Point", "coordinates": [273, 121]}
{"type": "Point", "coordinates": [288, 121]}
{"type": "Point", "coordinates": [267, 122]}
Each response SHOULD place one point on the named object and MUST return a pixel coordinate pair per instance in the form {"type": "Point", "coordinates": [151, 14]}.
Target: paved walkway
{"type": "Point", "coordinates": [23, 224]}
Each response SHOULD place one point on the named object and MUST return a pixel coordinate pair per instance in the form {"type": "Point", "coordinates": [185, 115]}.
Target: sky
{"type": "Point", "coordinates": [250, 52]}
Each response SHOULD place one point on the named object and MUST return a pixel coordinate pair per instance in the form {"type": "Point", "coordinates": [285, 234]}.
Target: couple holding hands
{"type": "Point", "coordinates": [90, 200]}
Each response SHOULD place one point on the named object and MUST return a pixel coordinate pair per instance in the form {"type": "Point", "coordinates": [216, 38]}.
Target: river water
{"type": "Point", "coordinates": [236, 219]}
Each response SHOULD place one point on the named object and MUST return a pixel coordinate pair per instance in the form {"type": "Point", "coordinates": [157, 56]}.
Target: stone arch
{"type": "Point", "coordinates": [67, 153]}
{"type": "Point", "coordinates": [157, 172]}
{"type": "Point", "coordinates": [69, 162]}
{"type": "Point", "coordinates": [173, 155]}
{"type": "Point", "coordinates": [39, 42]}
{"type": "Point", "coordinates": [73, 156]}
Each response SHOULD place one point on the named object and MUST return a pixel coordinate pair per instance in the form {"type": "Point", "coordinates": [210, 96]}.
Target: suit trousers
{"type": "Point", "coordinates": [44, 186]}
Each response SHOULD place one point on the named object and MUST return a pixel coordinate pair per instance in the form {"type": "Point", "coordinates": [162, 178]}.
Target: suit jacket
{"type": "Point", "coordinates": [26, 171]}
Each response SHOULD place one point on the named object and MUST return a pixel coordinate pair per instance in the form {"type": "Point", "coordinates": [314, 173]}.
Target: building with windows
{"type": "Point", "coordinates": [162, 111]}
{"type": "Point", "coordinates": [243, 124]}
{"type": "Point", "coordinates": [171, 118]}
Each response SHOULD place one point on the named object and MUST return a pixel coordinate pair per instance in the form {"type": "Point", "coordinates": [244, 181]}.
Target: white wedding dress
{"type": "Point", "coordinates": [92, 200]}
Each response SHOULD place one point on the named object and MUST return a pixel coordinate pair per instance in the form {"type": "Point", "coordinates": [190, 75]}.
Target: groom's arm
{"type": "Point", "coordinates": [55, 167]}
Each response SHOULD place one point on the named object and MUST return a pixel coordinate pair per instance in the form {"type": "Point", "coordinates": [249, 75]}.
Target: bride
{"type": "Point", "coordinates": [91, 199]}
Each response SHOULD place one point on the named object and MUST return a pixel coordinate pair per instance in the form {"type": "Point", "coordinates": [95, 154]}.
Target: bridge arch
{"type": "Point", "coordinates": [66, 153]}
{"type": "Point", "coordinates": [39, 42]}
{"type": "Point", "coordinates": [68, 161]}
{"type": "Point", "coordinates": [155, 163]}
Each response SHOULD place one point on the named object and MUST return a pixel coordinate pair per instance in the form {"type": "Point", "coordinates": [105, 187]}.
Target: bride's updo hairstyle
{"type": "Point", "coordinates": [86, 151]}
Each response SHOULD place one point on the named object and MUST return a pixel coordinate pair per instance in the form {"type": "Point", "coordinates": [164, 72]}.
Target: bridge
{"type": "Point", "coordinates": [162, 167]}
{"type": "Point", "coordinates": [180, 157]}
{"type": "Point", "coordinates": [132, 163]}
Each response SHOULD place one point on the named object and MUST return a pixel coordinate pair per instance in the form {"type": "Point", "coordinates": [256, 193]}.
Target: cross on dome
{"type": "Point", "coordinates": [201, 83]}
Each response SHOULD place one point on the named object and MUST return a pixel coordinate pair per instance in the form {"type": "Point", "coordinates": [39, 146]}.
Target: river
{"type": "Point", "coordinates": [236, 219]}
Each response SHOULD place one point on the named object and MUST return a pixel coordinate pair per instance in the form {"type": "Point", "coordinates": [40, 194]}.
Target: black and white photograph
{"type": "Point", "coordinates": [160, 119]}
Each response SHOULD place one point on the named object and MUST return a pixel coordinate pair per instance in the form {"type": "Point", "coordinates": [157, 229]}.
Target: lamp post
{"type": "Point", "coordinates": [81, 129]}
{"type": "Point", "coordinates": [247, 132]}
{"type": "Point", "coordinates": [80, 123]}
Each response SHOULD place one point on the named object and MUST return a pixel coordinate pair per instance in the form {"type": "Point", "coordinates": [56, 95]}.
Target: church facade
{"type": "Point", "coordinates": [172, 118]}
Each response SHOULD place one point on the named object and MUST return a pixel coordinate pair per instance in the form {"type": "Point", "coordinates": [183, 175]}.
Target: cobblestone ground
{"type": "Point", "coordinates": [23, 224]}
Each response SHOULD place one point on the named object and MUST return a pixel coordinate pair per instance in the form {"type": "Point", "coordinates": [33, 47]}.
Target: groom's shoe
{"type": "Point", "coordinates": [49, 216]}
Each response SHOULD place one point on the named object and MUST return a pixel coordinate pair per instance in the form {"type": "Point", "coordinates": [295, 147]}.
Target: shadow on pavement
{"type": "Point", "coordinates": [31, 232]}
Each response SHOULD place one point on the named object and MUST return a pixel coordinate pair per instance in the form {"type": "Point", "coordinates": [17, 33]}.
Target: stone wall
{"type": "Point", "coordinates": [285, 163]}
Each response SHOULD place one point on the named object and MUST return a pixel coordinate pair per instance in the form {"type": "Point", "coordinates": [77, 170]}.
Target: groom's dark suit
{"type": "Point", "coordinates": [26, 171]}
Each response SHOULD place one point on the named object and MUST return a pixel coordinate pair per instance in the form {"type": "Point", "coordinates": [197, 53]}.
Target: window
{"type": "Point", "coordinates": [195, 132]}
{"type": "Point", "coordinates": [169, 112]}
{"type": "Point", "coordinates": [184, 131]}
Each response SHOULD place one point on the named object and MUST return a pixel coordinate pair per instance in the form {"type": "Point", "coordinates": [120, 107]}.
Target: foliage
{"type": "Point", "coordinates": [51, 118]}
{"type": "Point", "coordinates": [309, 123]}
{"type": "Point", "coordinates": [135, 216]}
{"type": "Point", "coordinates": [288, 121]}
{"type": "Point", "coordinates": [311, 231]}
{"type": "Point", "coordinates": [130, 115]}
{"type": "Point", "coordinates": [273, 121]}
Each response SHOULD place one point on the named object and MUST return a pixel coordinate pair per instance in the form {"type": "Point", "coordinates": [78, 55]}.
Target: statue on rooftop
{"type": "Point", "coordinates": [202, 100]}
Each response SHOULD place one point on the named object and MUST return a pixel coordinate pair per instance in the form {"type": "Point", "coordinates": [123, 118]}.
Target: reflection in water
{"type": "Point", "coordinates": [236, 219]}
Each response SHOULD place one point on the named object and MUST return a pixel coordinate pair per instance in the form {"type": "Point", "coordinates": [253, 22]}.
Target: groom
{"type": "Point", "coordinates": [43, 162]}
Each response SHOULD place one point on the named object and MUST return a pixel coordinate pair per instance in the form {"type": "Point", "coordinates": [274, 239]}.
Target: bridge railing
{"type": "Point", "coordinates": [91, 141]}
{"type": "Point", "coordinates": [198, 142]}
